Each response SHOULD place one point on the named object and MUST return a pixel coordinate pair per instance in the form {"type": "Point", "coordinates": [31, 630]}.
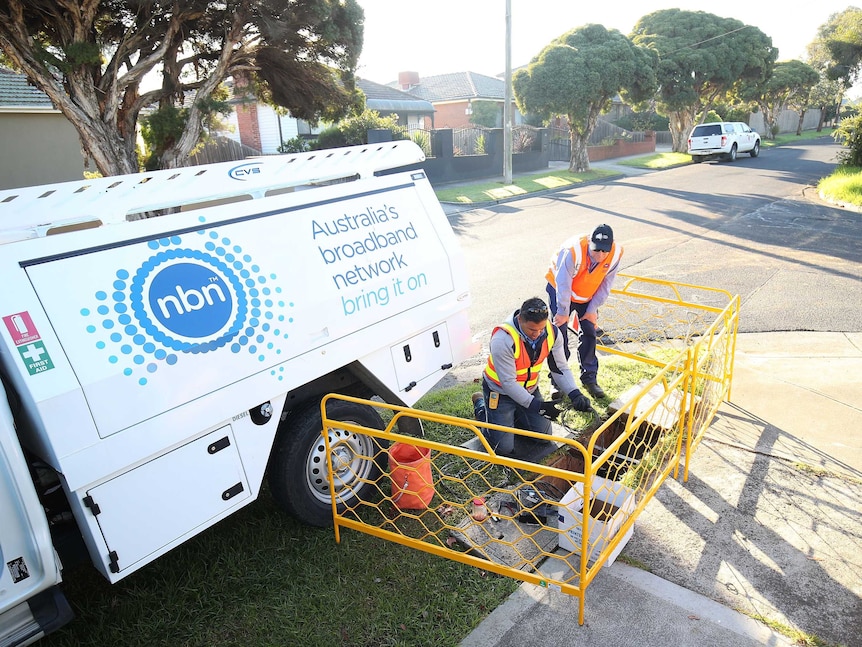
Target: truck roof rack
{"type": "Point", "coordinates": [33, 212]}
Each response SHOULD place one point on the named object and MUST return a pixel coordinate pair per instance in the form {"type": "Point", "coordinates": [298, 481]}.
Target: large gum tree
{"type": "Point", "coordinates": [577, 75]}
{"type": "Point", "coordinates": [702, 59]}
{"type": "Point", "coordinates": [91, 57]}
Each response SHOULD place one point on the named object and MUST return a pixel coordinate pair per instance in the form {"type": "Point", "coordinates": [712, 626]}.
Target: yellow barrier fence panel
{"type": "Point", "coordinates": [556, 519]}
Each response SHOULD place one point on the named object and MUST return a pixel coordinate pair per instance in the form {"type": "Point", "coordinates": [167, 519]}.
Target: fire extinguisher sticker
{"type": "Point", "coordinates": [21, 328]}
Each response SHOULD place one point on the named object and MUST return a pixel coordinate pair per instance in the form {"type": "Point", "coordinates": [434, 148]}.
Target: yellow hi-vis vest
{"type": "Point", "coordinates": [524, 368]}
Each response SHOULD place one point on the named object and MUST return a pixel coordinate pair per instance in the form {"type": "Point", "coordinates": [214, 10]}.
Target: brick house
{"type": "Point", "coordinates": [260, 127]}
{"type": "Point", "coordinates": [452, 96]}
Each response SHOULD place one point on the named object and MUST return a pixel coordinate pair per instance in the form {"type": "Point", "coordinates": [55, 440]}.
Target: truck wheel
{"type": "Point", "coordinates": [731, 156]}
{"type": "Point", "coordinates": [697, 159]}
{"type": "Point", "coordinates": [754, 152]}
{"type": "Point", "coordinates": [297, 474]}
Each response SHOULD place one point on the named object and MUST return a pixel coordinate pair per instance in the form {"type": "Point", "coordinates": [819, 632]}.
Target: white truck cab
{"type": "Point", "coordinates": [166, 338]}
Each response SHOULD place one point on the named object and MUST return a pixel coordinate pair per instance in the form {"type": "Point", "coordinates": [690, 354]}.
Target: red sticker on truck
{"type": "Point", "coordinates": [21, 328]}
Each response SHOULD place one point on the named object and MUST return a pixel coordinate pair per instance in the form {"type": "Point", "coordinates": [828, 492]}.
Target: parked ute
{"type": "Point", "coordinates": [156, 369]}
{"type": "Point", "coordinates": [722, 140]}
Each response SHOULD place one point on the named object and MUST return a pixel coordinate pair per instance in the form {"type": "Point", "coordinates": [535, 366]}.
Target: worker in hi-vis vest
{"type": "Point", "coordinates": [579, 281]}
{"type": "Point", "coordinates": [510, 383]}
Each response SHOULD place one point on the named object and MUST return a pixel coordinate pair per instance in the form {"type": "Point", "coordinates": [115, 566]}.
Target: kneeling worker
{"type": "Point", "coordinates": [510, 395]}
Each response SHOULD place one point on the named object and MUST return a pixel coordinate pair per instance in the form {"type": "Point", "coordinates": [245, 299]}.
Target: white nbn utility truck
{"type": "Point", "coordinates": [156, 368]}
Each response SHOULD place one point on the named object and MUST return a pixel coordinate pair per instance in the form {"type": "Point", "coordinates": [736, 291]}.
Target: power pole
{"type": "Point", "coordinates": [507, 105]}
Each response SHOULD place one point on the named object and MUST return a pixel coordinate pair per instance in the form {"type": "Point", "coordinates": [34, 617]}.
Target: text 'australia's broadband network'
{"type": "Point", "coordinates": [365, 250]}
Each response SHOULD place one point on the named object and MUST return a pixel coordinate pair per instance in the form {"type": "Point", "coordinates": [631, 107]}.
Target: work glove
{"type": "Point", "coordinates": [544, 408]}
{"type": "Point", "coordinates": [580, 402]}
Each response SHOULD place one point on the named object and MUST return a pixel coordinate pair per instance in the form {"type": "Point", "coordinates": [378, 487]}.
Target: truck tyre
{"type": "Point", "coordinates": [697, 159]}
{"type": "Point", "coordinates": [754, 152]}
{"type": "Point", "coordinates": [731, 156]}
{"type": "Point", "coordinates": [297, 473]}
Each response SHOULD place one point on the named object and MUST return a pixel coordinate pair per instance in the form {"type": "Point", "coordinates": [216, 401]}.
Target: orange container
{"type": "Point", "coordinates": [410, 473]}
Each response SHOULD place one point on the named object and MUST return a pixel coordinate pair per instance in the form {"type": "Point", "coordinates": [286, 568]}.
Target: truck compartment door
{"type": "Point", "coordinates": [172, 497]}
{"type": "Point", "coordinates": [421, 356]}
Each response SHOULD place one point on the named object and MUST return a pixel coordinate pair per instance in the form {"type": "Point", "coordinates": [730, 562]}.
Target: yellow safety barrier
{"type": "Point", "coordinates": [553, 522]}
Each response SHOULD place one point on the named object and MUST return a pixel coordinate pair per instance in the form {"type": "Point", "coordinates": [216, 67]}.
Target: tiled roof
{"type": "Point", "coordinates": [383, 98]}
{"type": "Point", "coordinates": [459, 85]}
{"type": "Point", "coordinates": [16, 92]}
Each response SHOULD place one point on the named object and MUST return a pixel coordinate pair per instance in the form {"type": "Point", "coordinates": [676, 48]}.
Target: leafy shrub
{"type": "Point", "coordinates": [331, 137]}
{"type": "Point", "coordinates": [485, 113]}
{"type": "Point", "coordinates": [353, 131]}
{"type": "Point", "coordinates": [711, 116]}
{"type": "Point", "coordinates": [422, 138]}
{"type": "Point", "coordinates": [640, 121]}
{"type": "Point", "coordinates": [849, 134]}
{"type": "Point", "coordinates": [294, 145]}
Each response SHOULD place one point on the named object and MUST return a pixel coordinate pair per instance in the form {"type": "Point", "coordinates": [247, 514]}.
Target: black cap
{"type": "Point", "coordinates": [602, 239]}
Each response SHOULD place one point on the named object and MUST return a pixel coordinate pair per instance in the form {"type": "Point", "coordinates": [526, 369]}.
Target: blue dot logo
{"type": "Point", "coordinates": [190, 300]}
{"type": "Point", "coordinates": [183, 301]}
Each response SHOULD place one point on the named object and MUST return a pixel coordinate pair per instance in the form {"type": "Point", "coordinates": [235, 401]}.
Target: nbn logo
{"type": "Point", "coordinates": [190, 300]}
{"type": "Point", "coordinates": [244, 171]}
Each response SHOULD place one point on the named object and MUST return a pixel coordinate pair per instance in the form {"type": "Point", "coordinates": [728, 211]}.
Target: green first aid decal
{"type": "Point", "coordinates": [36, 357]}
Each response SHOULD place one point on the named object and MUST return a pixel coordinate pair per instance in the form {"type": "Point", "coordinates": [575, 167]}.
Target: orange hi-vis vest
{"type": "Point", "coordinates": [585, 283]}
{"type": "Point", "coordinates": [524, 368]}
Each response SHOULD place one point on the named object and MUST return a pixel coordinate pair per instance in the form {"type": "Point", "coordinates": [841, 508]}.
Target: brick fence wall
{"type": "Point", "coordinates": [622, 148]}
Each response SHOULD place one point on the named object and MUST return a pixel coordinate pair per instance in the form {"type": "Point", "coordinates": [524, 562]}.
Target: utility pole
{"type": "Point", "coordinates": [507, 105]}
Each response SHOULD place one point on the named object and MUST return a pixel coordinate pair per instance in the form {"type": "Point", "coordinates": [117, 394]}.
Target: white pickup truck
{"type": "Point", "coordinates": [722, 140]}
{"type": "Point", "coordinates": [155, 370]}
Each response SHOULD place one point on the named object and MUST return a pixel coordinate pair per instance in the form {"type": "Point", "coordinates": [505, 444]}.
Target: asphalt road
{"type": "Point", "coordinates": [755, 227]}
{"type": "Point", "coordinates": [750, 529]}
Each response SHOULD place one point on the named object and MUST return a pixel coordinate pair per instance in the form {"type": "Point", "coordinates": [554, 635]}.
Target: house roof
{"type": "Point", "coordinates": [459, 86]}
{"type": "Point", "coordinates": [16, 92]}
{"type": "Point", "coordinates": [385, 99]}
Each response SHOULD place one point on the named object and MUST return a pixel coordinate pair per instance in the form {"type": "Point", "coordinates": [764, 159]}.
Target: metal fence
{"type": "Point", "coordinates": [553, 522]}
{"type": "Point", "coordinates": [473, 140]}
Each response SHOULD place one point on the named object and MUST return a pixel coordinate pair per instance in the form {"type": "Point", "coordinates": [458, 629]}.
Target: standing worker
{"type": "Point", "coordinates": [579, 280]}
{"type": "Point", "coordinates": [510, 394]}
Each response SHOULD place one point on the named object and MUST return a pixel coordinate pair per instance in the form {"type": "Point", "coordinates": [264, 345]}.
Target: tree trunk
{"type": "Point", "coordinates": [680, 123]}
{"type": "Point", "coordinates": [799, 125]}
{"type": "Point", "coordinates": [580, 159]}
{"type": "Point", "coordinates": [579, 137]}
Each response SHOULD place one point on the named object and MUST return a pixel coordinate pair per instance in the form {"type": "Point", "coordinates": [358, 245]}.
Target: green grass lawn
{"type": "Point", "coordinates": [260, 578]}
{"type": "Point", "coordinates": [486, 191]}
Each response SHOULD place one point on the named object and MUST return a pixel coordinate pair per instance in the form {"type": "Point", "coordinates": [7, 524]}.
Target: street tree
{"type": "Point", "coordinates": [702, 58]}
{"type": "Point", "coordinates": [827, 94]}
{"type": "Point", "coordinates": [836, 52]}
{"type": "Point", "coordinates": [787, 88]}
{"type": "Point", "coordinates": [577, 75]}
{"type": "Point", "coordinates": [93, 59]}
{"type": "Point", "coordinates": [842, 37]}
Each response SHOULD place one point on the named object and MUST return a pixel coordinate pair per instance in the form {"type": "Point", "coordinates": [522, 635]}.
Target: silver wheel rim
{"type": "Point", "coordinates": [352, 462]}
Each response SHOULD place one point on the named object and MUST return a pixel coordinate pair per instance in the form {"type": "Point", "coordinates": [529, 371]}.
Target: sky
{"type": "Point", "coordinates": [447, 36]}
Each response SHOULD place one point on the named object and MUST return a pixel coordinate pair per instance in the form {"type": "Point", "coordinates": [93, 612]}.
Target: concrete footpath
{"type": "Point", "coordinates": [768, 526]}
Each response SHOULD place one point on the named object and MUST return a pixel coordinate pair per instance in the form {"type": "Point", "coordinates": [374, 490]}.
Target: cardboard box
{"type": "Point", "coordinates": [611, 506]}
